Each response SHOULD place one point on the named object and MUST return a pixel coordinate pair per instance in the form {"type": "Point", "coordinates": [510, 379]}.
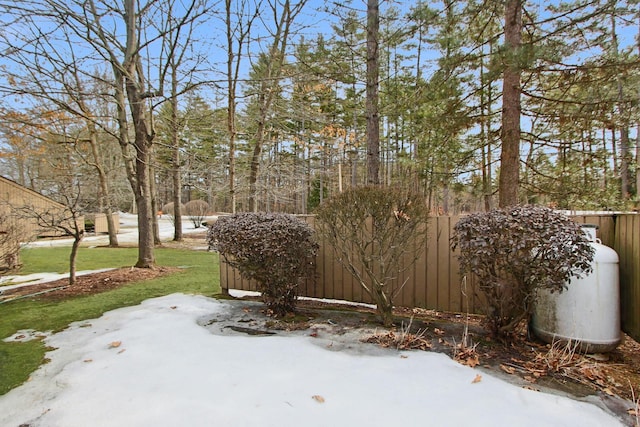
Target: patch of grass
{"type": "Point", "coordinates": [56, 259]}
{"type": "Point", "coordinates": [19, 360]}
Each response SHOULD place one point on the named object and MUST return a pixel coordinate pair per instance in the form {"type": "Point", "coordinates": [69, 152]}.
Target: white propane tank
{"type": "Point", "coordinates": [586, 314]}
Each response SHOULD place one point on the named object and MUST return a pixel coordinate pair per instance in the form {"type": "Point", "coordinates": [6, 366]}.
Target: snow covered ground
{"type": "Point", "coordinates": [157, 365]}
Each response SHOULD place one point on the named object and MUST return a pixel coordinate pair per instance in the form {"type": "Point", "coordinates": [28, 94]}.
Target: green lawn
{"type": "Point", "coordinates": [200, 275]}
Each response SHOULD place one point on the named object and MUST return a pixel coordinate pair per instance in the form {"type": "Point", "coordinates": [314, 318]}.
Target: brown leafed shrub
{"type": "Point", "coordinates": [276, 250]}
{"type": "Point", "coordinates": [515, 251]}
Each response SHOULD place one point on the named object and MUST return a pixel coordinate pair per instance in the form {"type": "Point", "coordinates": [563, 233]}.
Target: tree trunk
{"type": "Point", "coordinates": [510, 135]}
{"type": "Point", "coordinates": [111, 227]}
{"type": "Point", "coordinates": [373, 117]}
{"type": "Point", "coordinates": [485, 132]}
{"type": "Point", "coordinates": [384, 305]}
{"type": "Point", "coordinates": [232, 78]}
{"type": "Point", "coordinates": [176, 176]}
{"type": "Point", "coordinates": [154, 204]}
{"type": "Point", "coordinates": [77, 231]}
{"type": "Point", "coordinates": [637, 201]}
{"type": "Point", "coordinates": [134, 87]}
{"type": "Point", "coordinates": [72, 259]}
{"type": "Point", "coordinates": [625, 155]}
{"type": "Point", "coordinates": [177, 197]}
{"type": "Point", "coordinates": [268, 89]}
{"type": "Point", "coordinates": [255, 157]}
{"type": "Point", "coordinates": [104, 186]}
{"type": "Point", "coordinates": [232, 154]}
{"type": "Point", "coordinates": [142, 189]}
{"type": "Point", "coordinates": [625, 161]}
{"type": "Point", "coordinates": [146, 258]}
{"type": "Point", "coordinates": [239, 33]}
{"type": "Point", "coordinates": [128, 86]}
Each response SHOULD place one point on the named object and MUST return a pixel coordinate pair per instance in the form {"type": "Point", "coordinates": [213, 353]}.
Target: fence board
{"type": "Point", "coordinates": [445, 281]}
{"type": "Point", "coordinates": [327, 278]}
{"type": "Point", "coordinates": [627, 244]}
{"type": "Point", "coordinates": [420, 279]}
{"type": "Point", "coordinates": [431, 261]}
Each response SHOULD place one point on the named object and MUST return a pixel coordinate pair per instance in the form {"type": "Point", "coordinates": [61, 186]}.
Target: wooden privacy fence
{"type": "Point", "coordinates": [434, 282]}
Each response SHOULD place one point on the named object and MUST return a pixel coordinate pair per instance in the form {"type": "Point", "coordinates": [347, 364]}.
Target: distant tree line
{"type": "Point", "coordinates": [258, 106]}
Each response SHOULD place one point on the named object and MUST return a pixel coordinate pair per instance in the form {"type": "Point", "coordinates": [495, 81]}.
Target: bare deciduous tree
{"type": "Point", "coordinates": [126, 37]}
{"type": "Point", "coordinates": [284, 15]}
{"type": "Point", "coordinates": [65, 219]}
{"type": "Point", "coordinates": [238, 24]}
{"type": "Point", "coordinates": [56, 81]}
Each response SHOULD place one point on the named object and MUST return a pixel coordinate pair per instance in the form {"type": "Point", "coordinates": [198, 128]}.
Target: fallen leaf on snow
{"type": "Point", "coordinates": [477, 379]}
{"type": "Point", "coordinates": [87, 360]}
{"type": "Point", "coordinates": [115, 344]}
{"type": "Point", "coordinates": [318, 398]}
